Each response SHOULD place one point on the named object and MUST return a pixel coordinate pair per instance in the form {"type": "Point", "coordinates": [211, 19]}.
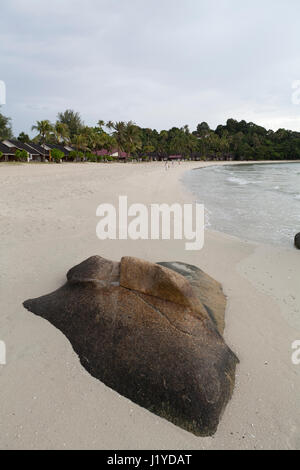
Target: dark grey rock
{"type": "Point", "coordinates": [156, 340]}
{"type": "Point", "coordinates": [297, 241]}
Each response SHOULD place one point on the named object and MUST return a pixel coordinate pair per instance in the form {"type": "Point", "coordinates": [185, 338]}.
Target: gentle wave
{"type": "Point", "coordinates": [240, 181]}
{"type": "Point", "coordinates": [254, 202]}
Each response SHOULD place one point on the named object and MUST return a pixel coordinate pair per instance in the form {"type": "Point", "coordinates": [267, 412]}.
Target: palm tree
{"type": "Point", "coordinates": [80, 143]}
{"type": "Point", "coordinates": [224, 146]}
{"type": "Point", "coordinates": [132, 138]}
{"type": "Point", "coordinates": [102, 138]}
{"type": "Point", "coordinates": [163, 145]}
{"type": "Point", "coordinates": [44, 128]}
{"type": "Point", "coordinates": [119, 133]}
{"type": "Point", "coordinates": [127, 136]}
{"type": "Point", "coordinates": [92, 138]}
{"type": "Point", "coordinates": [214, 144]}
{"type": "Point", "coordinates": [61, 132]}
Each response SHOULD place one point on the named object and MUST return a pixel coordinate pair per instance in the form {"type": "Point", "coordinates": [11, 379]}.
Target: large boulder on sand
{"type": "Point", "coordinates": [151, 332]}
{"type": "Point", "coordinates": [297, 241]}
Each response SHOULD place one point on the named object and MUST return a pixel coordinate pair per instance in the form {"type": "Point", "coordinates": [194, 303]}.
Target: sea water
{"type": "Point", "coordinates": [255, 202]}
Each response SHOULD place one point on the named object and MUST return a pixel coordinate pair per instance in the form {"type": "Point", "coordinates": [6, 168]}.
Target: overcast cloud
{"type": "Point", "coordinates": [158, 62]}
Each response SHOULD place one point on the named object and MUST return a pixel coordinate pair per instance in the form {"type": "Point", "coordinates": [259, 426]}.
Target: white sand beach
{"type": "Point", "coordinates": [48, 401]}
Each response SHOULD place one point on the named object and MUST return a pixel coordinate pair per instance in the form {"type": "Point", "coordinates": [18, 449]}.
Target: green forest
{"type": "Point", "coordinates": [236, 140]}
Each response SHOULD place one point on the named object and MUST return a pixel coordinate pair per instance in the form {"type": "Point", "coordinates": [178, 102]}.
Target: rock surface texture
{"type": "Point", "coordinates": [297, 241]}
{"type": "Point", "coordinates": [152, 332]}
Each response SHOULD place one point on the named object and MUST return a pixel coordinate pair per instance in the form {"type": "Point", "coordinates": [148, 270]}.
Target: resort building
{"type": "Point", "coordinates": [66, 149]}
{"type": "Point", "coordinates": [34, 152]}
{"type": "Point", "coordinates": [8, 154]}
{"type": "Point", "coordinates": [42, 153]}
{"type": "Point", "coordinates": [119, 155]}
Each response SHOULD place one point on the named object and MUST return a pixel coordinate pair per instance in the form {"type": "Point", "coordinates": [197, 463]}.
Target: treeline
{"type": "Point", "coordinates": [233, 141]}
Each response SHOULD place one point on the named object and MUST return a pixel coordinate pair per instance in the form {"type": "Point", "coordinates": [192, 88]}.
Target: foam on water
{"type": "Point", "coordinates": [235, 180]}
{"type": "Point", "coordinates": [253, 202]}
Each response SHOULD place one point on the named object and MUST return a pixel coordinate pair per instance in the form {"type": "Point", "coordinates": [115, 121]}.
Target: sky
{"type": "Point", "coordinates": [160, 63]}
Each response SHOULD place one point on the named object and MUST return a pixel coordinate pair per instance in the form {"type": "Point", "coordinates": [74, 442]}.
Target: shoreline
{"type": "Point", "coordinates": [289, 243]}
{"type": "Point", "coordinates": [250, 162]}
{"type": "Point", "coordinates": [48, 225]}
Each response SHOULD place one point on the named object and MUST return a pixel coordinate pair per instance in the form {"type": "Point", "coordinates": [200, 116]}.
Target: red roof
{"type": "Point", "coordinates": [104, 152]}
